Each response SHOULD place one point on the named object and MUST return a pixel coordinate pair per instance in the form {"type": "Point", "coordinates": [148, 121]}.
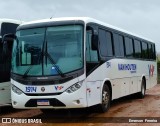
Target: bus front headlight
{"type": "Point", "coordinates": [74, 87]}
{"type": "Point", "coordinates": [16, 90]}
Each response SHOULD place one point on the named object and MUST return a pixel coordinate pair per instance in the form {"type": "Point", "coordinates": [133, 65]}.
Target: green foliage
{"type": "Point", "coordinates": [158, 71]}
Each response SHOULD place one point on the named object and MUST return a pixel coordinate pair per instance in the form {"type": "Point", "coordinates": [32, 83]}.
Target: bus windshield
{"type": "Point", "coordinates": [48, 51]}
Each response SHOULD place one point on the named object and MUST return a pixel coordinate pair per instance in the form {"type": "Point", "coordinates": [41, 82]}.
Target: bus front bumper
{"type": "Point", "coordinates": [76, 99]}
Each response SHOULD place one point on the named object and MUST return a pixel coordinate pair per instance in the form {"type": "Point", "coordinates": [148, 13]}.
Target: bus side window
{"type": "Point", "coordinates": [105, 43]}
{"type": "Point", "coordinates": [118, 45]}
{"type": "Point", "coordinates": [137, 49]}
{"type": "Point", "coordinates": [129, 47]}
{"type": "Point", "coordinates": [153, 51]}
{"type": "Point", "coordinates": [144, 50]}
{"type": "Point", "coordinates": [91, 55]}
{"type": "Point", "coordinates": [150, 51]}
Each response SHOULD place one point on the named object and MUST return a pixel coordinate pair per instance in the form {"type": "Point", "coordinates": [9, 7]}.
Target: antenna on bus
{"type": "Point", "coordinates": [54, 15]}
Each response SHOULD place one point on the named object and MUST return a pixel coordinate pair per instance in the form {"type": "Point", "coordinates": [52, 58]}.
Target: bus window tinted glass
{"type": "Point", "coordinates": [118, 45]}
{"type": "Point", "coordinates": [154, 51]}
{"type": "Point", "coordinates": [105, 43]}
{"type": "Point", "coordinates": [150, 51]}
{"type": "Point", "coordinates": [137, 46]}
{"type": "Point", "coordinates": [144, 50]}
{"type": "Point", "coordinates": [109, 44]}
{"type": "Point", "coordinates": [91, 55]}
{"type": "Point", "coordinates": [129, 47]}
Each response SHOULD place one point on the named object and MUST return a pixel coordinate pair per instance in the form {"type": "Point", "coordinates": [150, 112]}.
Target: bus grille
{"type": "Point", "coordinates": [42, 94]}
{"type": "Point", "coordinates": [53, 102]}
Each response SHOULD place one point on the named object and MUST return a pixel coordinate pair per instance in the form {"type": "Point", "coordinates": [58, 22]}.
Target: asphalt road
{"type": "Point", "coordinates": [122, 111]}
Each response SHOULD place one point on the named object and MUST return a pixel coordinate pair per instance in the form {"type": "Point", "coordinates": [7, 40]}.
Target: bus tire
{"type": "Point", "coordinates": [106, 100]}
{"type": "Point", "coordinates": [141, 94]}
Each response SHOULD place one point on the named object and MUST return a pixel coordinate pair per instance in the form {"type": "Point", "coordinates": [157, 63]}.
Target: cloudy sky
{"type": "Point", "coordinates": [138, 16]}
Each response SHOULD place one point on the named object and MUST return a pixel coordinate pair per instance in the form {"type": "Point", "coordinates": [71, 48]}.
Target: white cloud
{"type": "Point", "coordinates": [138, 16]}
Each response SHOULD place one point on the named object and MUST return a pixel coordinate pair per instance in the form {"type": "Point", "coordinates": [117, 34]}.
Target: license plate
{"type": "Point", "coordinates": [43, 102]}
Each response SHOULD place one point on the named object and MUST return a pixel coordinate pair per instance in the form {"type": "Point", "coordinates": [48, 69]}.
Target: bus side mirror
{"type": "Point", "coordinates": [94, 37]}
{"type": "Point", "coordinates": [0, 39]}
{"type": "Point", "coordinates": [94, 42]}
{"type": "Point", "coordinates": [6, 41]}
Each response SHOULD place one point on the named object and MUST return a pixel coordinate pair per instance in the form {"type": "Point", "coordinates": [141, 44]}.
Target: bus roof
{"type": "Point", "coordinates": [10, 21]}
{"type": "Point", "coordinates": [86, 20]}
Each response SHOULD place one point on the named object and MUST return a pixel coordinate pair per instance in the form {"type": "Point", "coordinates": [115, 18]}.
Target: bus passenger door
{"type": "Point", "coordinates": [92, 62]}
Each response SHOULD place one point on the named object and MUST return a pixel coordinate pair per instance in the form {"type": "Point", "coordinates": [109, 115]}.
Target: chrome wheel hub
{"type": "Point", "coordinates": [143, 90]}
{"type": "Point", "coordinates": [105, 98]}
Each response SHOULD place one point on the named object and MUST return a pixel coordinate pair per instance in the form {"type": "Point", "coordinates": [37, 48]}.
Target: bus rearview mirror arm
{"type": "Point", "coordinates": [94, 38]}
{"type": "Point", "coordinates": [8, 37]}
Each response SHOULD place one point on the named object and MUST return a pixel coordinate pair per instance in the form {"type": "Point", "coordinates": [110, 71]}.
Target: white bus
{"type": "Point", "coordinates": [6, 26]}
{"type": "Point", "coordinates": [78, 62]}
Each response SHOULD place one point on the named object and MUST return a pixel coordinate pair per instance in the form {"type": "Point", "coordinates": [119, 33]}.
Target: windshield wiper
{"type": "Point", "coordinates": [46, 54]}
{"type": "Point", "coordinates": [53, 62]}
{"type": "Point", "coordinates": [27, 71]}
{"type": "Point", "coordinates": [30, 67]}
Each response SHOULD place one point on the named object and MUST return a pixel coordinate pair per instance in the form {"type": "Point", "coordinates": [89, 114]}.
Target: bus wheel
{"type": "Point", "coordinates": [141, 94]}
{"type": "Point", "coordinates": [106, 99]}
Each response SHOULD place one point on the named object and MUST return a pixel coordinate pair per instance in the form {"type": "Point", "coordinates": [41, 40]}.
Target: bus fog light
{"type": "Point", "coordinates": [74, 87]}
{"type": "Point", "coordinates": [16, 90]}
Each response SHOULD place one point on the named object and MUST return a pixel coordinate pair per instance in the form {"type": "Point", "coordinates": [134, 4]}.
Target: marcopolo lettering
{"type": "Point", "coordinates": [130, 67]}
